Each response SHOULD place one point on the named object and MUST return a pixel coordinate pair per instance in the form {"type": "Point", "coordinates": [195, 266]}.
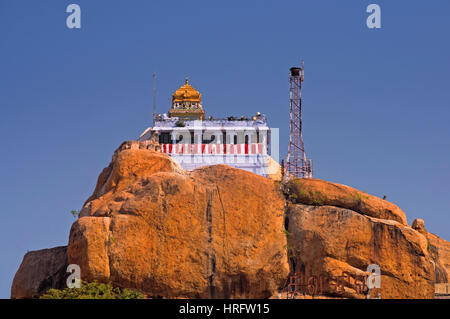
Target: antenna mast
{"type": "Point", "coordinates": [154, 98]}
{"type": "Point", "coordinates": [297, 165]}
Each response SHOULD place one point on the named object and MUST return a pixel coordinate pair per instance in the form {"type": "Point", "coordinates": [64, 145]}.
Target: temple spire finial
{"type": "Point", "coordinates": [186, 81]}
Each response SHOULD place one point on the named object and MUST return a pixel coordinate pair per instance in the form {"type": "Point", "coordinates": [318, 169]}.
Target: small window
{"type": "Point", "coordinates": [164, 138]}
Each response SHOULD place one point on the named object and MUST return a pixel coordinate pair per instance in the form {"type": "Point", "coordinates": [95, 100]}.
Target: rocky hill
{"type": "Point", "coordinates": [220, 232]}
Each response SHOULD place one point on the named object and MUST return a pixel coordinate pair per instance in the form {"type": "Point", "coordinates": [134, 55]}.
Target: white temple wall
{"type": "Point", "coordinates": [257, 164]}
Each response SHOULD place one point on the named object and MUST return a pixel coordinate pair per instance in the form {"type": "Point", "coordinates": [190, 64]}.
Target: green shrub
{"type": "Point", "coordinates": [293, 197]}
{"type": "Point", "coordinates": [75, 213]}
{"type": "Point", "coordinates": [286, 232]}
{"type": "Point", "coordinates": [318, 198]}
{"type": "Point", "coordinates": [303, 193]}
{"type": "Point", "coordinates": [359, 197]}
{"type": "Point", "coordinates": [92, 290]}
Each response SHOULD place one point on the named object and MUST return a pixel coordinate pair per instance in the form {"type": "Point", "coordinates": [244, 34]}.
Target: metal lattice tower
{"type": "Point", "coordinates": [297, 165]}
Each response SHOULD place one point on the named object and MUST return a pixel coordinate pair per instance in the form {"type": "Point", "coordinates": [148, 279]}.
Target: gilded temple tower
{"type": "Point", "coordinates": [187, 103]}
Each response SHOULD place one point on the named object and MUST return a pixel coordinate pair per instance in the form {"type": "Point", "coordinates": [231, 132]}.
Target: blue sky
{"type": "Point", "coordinates": [376, 102]}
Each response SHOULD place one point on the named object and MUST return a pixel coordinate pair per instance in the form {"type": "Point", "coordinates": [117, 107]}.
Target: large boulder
{"type": "Point", "coordinates": [216, 232]}
{"type": "Point", "coordinates": [330, 241]}
{"type": "Point", "coordinates": [439, 250]}
{"type": "Point", "coordinates": [130, 162]}
{"type": "Point", "coordinates": [39, 271]}
{"type": "Point", "coordinates": [318, 192]}
{"type": "Point", "coordinates": [219, 232]}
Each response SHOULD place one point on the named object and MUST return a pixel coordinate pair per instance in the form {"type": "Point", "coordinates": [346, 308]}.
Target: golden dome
{"type": "Point", "coordinates": [186, 93]}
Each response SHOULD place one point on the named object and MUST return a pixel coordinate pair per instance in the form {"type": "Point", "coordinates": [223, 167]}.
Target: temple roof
{"type": "Point", "coordinates": [186, 93]}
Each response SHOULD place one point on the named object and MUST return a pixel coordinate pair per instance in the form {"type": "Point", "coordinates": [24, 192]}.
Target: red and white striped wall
{"type": "Point", "coordinates": [218, 149]}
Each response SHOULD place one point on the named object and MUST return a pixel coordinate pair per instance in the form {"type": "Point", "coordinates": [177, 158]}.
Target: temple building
{"type": "Point", "coordinates": [194, 141]}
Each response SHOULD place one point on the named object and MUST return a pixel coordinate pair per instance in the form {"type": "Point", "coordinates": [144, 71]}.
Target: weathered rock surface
{"type": "Point", "coordinates": [216, 232]}
{"type": "Point", "coordinates": [328, 241]}
{"type": "Point", "coordinates": [318, 192]}
{"type": "Point", "coordinates": [39, 271]}
{"type": "Point", "coordinates": [440, 252]}
{"type": "Point", "coordinates": [130, 162]}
